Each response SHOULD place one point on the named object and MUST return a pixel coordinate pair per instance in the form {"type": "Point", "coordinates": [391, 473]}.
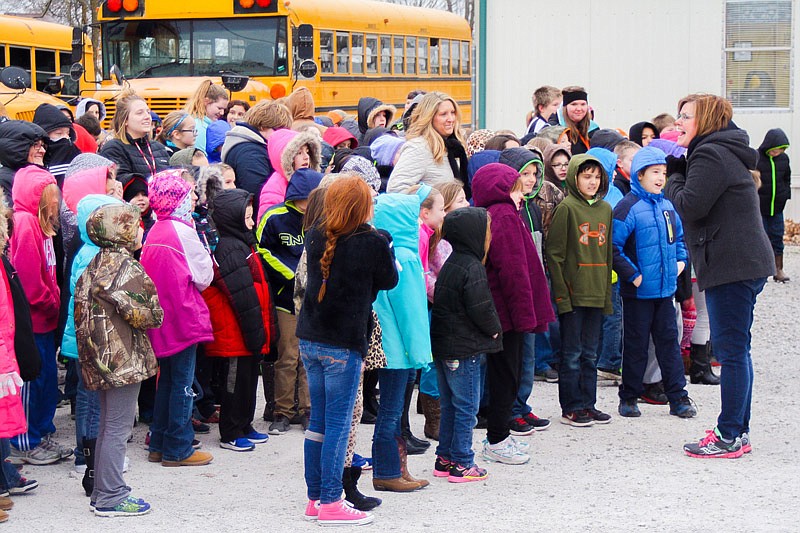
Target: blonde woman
{"type": "Point", "coordinates": [435, 148]}
{"type": "Point", "coordinates": [131, 149]}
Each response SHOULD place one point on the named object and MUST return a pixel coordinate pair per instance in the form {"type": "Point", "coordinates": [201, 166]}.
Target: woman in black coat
{"type": "Point", "coordinates": [714, 192]}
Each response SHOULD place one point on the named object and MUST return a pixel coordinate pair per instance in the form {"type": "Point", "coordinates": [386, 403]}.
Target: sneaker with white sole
{"type": "Point", "coordinates": [238, 445]}
{"type": "Point", "coordinates": [23, 487]}
{"type": "Point", "coordinates": [40, 455]}
{"type": "Point", "coordinates": [505, 452]}
{"type": "Point", "coordinates": [257, 438]}
{"type": "Point", "coordinates": [312, 510]}
{"type": "Point", "coordinates": [63, 451]}
{"type": "Point", "coordinates": [341, 514]}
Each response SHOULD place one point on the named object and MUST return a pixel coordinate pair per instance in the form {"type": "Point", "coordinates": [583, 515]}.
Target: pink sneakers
{"type": "Point", "coordinates": [312, 510]}
{"type": "Point", "coordinates": [338, 514]}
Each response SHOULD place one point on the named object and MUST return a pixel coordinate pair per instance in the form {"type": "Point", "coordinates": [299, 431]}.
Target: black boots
{"type": "Point", "coordinates": [350, 478]}
{"type": "Point", "coordinates": [700, 370]}
{"type": "Point", "coordinates": [268, 380]}
{"type": "Point", "coordinates": [414, 446]}
{"type": "Point", "coordinates": [88, 476]}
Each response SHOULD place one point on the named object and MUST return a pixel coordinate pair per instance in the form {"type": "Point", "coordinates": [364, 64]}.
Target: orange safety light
{"type": "Point", "coordinates": [130, 5]}
{"type": "Point", "coordinates": [247, 4]}
{"type": "Point", "coordinates": [114, 5]}
{"type": "Point", "coordinates": [277, 90]}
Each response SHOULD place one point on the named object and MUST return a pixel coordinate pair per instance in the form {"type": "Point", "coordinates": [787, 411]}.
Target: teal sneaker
{"type": "Point", "coordinates": [128, 507]}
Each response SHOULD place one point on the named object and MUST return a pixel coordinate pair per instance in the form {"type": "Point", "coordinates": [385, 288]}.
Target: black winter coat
{"type": "Point", "coordinates": [776, 174]}
{"type": "Point", "coordinates": [245, 150]}
{"type": "Point", "coordinates": [464, 318]}
{"type": "Point", "coordinates": [718, 204]}
{"type": "Point", "coordinates": [232, 254]}
{"type": "Point", "coordinates": [129, 159]}
{"type": "Point", "coordinates": [16, 138]}
{"type": "Point", "coordinates": [362, 265]}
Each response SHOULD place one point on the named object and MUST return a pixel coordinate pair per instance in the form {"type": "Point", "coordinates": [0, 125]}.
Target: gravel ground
{"type": "Point", "coordinates": [630, 474]}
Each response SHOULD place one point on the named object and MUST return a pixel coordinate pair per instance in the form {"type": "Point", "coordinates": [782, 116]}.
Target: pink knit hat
{"type": "Point", "coordinates": [167, 190]}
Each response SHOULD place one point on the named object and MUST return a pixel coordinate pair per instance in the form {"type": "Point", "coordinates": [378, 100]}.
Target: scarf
{"type": "Point", "coordinates": [457, 156]}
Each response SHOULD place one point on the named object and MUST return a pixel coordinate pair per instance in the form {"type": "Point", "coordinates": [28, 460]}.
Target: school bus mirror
{"type": "Point", "coordinates": [76, 72]}
{"type": "Point", "coordinates": [305, 41]}
{"type": "Point", "coordinates": [15, 78]}
{"type": "Point", "coordinates": [234, 82]}
{"type": "Point", "coordinates": [54, 85]}
{"type": "Point", "coordinates": [77, 45]}
{"type": "Point", "coordinates": [116, 74]}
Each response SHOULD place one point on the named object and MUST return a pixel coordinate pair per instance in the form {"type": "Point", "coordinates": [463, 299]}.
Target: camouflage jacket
{"type": "Point", "coordinates": [115, 304]}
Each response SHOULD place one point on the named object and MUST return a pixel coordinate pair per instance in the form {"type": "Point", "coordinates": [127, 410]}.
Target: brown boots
{"type": "Point", "coordinates": [780, 276]}
{"type": "Point", "coordinates": [406, 482]}
{"type": "Point", "coordinates": [433, 413]}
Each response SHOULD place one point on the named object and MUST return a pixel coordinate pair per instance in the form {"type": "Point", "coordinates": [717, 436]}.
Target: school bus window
{"type": "Point", "coordinates": [386, 54]}
{"type": "Point", "coordinates": [464, 57]}
{"type": "Point", "coordinates": [399, 48]}
{"type": "Point", "coordinates": [342, 52]}
{"type": "Point", "coordinates": [19, 57]}
{"type": "Point", "coordinates": [2, 55]}
{"type": "Point", "coordinates": [70, 87]}
{"type": "Point", "coordinates": [434, 56]}
{"type": "Point", "coordinates": [455, 56]}
{"type": "Point", "coordinates": [411, 54]}
{"type": "Point", "coordinates": [357, 53]}
{"type": "Point", "coordinates": [422, 49]}
{"type": "Point", "coordinates": [45, 67]}
{"type": "Point", "coordinates": [372, 54]}
{"type": "Point", "coordinates": [445, 57]}
{"type": "Point", "coordinates": [326, 52]}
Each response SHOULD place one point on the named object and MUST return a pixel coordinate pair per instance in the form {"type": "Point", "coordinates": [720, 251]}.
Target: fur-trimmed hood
{"type": "Point", "coordinates": [292, 148]}
{"type": "Point", "coordinates": [368, 107]}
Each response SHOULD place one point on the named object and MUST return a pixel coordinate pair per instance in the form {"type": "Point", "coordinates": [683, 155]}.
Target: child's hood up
{"type": "Point", "coordinates": [398, 214]}
{"type": "Point", "coordinates": [114, 226]}
{"type": "Point", "coordinates": [86, 207]}
{"type": "Point", "coordinates": [284, 144]}
{"type": "Point", "coordinates": [227, 211]}
{"type": "Point", "coordinates": [775, 138]}
{"type": "Point", "coordinates": [29, 183]}
{"type": "Point", "coordinates": [572, 176]}
{"type": "Point", "coordinates": [492, 184]}
{"type": "Point", "coordinates": [646, 157]}
{"type": "Point", "coordinates": [465, 230]}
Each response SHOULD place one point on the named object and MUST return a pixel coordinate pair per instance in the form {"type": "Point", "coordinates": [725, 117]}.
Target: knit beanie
{"type": "Point", "coordinates": [365, 169]}
{"type": "Point", "coordinates": [85, 162]}
{"type": "Point", "coordinates": [168, 194]}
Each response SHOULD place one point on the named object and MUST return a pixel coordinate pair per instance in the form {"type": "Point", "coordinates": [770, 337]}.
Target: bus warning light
{"type": "Point", "coordinates": [278, 90]}
{"type": "Point", "coordinates": [247, 4]}
{"type": "Point", "coordinates": [264, 3]}
{"type": "Point", "coordinates": [130, 5]}
{"type": "Point", "coordinates": [114, 5]}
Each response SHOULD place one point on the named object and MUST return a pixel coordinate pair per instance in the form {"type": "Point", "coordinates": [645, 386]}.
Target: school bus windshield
{"type": "Point", "coordinates": [167, 48]}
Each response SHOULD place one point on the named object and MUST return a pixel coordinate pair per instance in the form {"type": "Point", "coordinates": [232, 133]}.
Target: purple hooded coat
{"type": "Point", "coordinates": [516, 277]}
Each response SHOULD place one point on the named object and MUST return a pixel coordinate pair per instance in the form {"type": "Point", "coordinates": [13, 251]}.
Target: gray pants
{"type": "Point", "coordinates": [117, 411]}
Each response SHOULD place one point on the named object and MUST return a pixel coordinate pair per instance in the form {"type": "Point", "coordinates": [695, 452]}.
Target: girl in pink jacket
{"type": "Point", "coordinates": [181, 269]}
{"type": "Point", "coordinates": [36, 209]}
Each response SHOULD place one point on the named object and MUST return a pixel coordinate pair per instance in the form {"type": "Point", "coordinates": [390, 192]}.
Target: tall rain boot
{"type": "Point", "coordinates": [88, 475]}
{"type": "Point", "coordinates": [268, 380]}
{"type": "Point", "coordinates": [433, 413]}
{"type": "Point", "coordinates": [414, 445]}
{"type": "Point", "coordinates": [350, 478]}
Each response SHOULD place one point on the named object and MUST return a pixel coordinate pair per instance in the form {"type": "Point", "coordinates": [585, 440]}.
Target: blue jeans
{"type": "Point", "coordinates": [385, 455]}
{"type": "Point", "coordinates": [40, 396]}
{"type": "Point", "coordinates": [774, 227]}
{"type": "Point", "coordinates": [730, 313]}
{"type": "Point", "coordinates": [577, 373]}
{"type": "Point", "coordinates": [9, 475]}
{"type": "Point", "coordinates": [609, 356]}
{"type": "Point", "coordinates": [526, 377]}
{"type": "Point", "coordinates": [333, 375]}
{"type": "Point", "coordinates": [459, 396]}
{"type": "Point", "coordinates": [171, 432]}
{"type": "Point", "coordinates": [87, 415]}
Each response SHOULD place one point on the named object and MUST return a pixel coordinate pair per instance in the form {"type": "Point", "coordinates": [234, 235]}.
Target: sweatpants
{"type": "Point", "coordinates": [289, 371]}
{"type": "Point", "coordinates": [238, 403]}
{"type": "Point", "coordinates": [503, 370]}
{"type": "Point", "coordinates": [117, 411]}
{"type": "Point", "coordinates": [40, 396]}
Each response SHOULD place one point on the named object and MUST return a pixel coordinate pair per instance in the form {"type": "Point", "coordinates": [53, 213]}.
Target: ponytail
{"type": "Point", "coordinates": [206, 93]}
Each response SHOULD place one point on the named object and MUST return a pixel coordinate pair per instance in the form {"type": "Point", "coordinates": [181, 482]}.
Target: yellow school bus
{"type": "Point", "coordinates": [340, 49]}
{"type": "Point", "coordinates": [44, 50]}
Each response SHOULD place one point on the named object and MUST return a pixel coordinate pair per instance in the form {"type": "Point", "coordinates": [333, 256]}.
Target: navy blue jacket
{"type": "Point", "coordinates": [245, 150]}
{"type": "Point", "coordinates": [647, 236]}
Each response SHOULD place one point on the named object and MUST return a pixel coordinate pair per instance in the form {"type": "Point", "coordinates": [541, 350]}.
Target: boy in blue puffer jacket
{"type": "Point", "coordinates": [649, 254]}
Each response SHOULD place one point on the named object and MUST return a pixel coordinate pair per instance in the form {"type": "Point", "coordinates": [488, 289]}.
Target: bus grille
{"type": "Point", "coordinates": [161, 106]}
{"type": "Point", "coordinates": [25, 115]}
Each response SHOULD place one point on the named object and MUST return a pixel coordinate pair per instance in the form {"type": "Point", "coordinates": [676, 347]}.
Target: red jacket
{"type": "Point", "coordinates": [228, 337]}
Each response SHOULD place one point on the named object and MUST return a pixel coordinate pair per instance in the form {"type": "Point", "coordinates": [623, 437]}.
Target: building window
{"type": "Point", "coordinates": [758, 46]}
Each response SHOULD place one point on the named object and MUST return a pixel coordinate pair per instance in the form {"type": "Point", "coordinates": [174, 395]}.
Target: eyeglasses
{"type": "Point", "coordinates": [560, 165]}
{"type": "Point", "coordinates": [684, 116]}
{"type": "Point", "coordinates": [39, 145]}
{"type": "Point", "coordinates": [188, 131]}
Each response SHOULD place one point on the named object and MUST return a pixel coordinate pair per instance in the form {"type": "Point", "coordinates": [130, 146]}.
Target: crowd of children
{"type": "Point", "coordinates": [331, 254]}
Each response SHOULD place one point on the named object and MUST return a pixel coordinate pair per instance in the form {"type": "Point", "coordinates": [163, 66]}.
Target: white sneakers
{"type": "Point", "coordinates": [506, 452]}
